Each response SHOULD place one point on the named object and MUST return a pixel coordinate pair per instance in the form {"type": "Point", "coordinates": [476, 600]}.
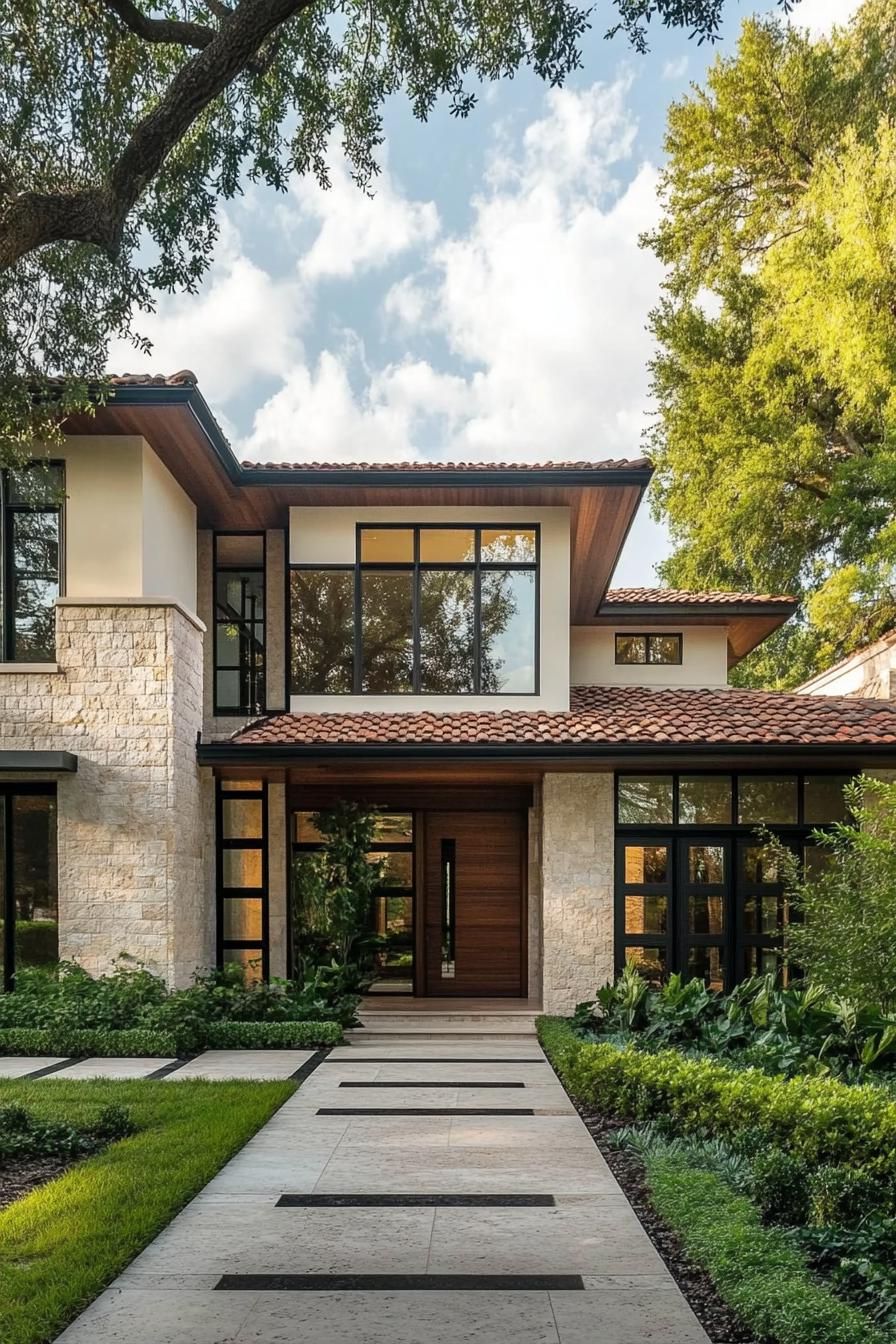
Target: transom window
{"type": "Point", "coordinates": [697, 891]}
{"type": "Point", "coordinates": [30, 524]}
{"type": "Point", "coordinates": [634, 650]}
{"type": "Point", "coordinates": [426, 610]}
{"type": "Point", "coordinates": [239, 623]}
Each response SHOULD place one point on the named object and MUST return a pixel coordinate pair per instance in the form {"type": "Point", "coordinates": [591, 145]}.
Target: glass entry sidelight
{"type": "Point", "coordinates": [29, 906]}
{"type": "Point", "coordinates": [704, 883]}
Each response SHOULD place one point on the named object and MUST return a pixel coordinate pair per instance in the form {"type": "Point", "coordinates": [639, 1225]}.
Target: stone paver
{"type": "Point", "coordinates": [19, 1066]}
{"type": "Point", "coordinates": [234, 1226]}
{"type": "Point", "coordinates": [110, 1068]}
{"type": "Point", "coordinates": [252, 1064]}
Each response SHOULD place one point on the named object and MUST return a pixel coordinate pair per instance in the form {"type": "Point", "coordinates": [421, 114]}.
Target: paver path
{"type": "Point", "coordinates": [614, 1287]}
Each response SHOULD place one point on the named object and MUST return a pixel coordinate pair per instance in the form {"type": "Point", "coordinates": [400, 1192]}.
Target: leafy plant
{"type": "Point", "coordinates": [779, 1185]}
{"type": "Point", "coordinates": [24, 1135]}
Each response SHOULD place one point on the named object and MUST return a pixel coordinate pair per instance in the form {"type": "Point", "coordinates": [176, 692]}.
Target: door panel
{"type": "Point", "coordinates": [474, 873]}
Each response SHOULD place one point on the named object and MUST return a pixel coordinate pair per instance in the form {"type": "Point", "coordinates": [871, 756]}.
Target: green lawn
{"type": "Point", "coordinates": [61, 1245]}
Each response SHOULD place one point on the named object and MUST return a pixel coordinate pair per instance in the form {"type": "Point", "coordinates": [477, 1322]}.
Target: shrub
{"type": "Point", "coordinates": [818, 1120]}
{"type": "Point", "coordinates": [780, 1187]}
{"type": "Point", "coordinates": [272, 1035]}
{"type": "Point", "coordinates": [22, 1135]}
{"type": "Point", "coordinates": [841, 1196]}
{"type": "Point", "coordinates": [74, 1041]}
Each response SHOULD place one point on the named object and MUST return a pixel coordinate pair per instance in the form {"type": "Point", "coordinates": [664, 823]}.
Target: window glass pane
{"type": "Point", "coordinates": [394, 828]}
{"type": "Point", "coordinates": [245, 550]}
{"type": "Point", "coordinates": [393, 921]}
{"type": "Point", "coordinates": [228, 692]}
{"type": "Point", "coordinates": [765, 914]}
{"type": "Point", "coordinates": [239, 595]}
{"type": "Point", "coordinates": [387, 642]}
{"type": "Point", "coordinates": [507, 546]}
{"type": "Point", "coordinates": [37, 484]}
{"type": "Point", "coordinates": [706, 864]}
{"type": "Point", "coordinates": [705, 963]}
{"type": "Point", "coordinates": [761, 865]}
{"type": "Point", "coordinates": [322, 631]}
{"type": "Point", "coordinates": [387, 546]}
{"type": "Point", "coordinates": [766, 961]}
{"type": "Point", "coordinates": [645, 798]}
{"type": "Point", "coordinates": [229, 645]}
{"type": "Point", "coordinates": [399, 868]}
{"type": "Point", "coordinates": [705, 914]}
{"type": "Point", "coordinates": [241, 867]}
{"type": "Point", "coordinates": [645, 914]}
{"type": "Point", "coordinates": [35, 880]}
{"type": "Point", "coordinates": [704, 800]}
{"type": "Point", "coordinates": [241, 786]}
{"type": "Point", "coordinates": [769, 798]}
{"type": "Point", "coordinates": [664, 649]}
{"type": "Point", "coordinates": [823, 799]}
{"type": "Point", "coordinates": [631, 649]}
{"type": "Point", "coordinates": [247, 957]}
{"type": "Point", "coordinates": [646, 863]}
{"type": "Point", "coordinates": [306, 833]}
{"type": "Point", "coordinates": [447, 630]}
{"type": "Point", "coordinates": [507, 631]}
{"type": "Point", "coordinates": [447, 546]}
{"type": "Point", "coordinates": [241, 818]}
{"type": "Point", "coordinates": [650, 961]}
{"type": "Point", "coordinates": [242, 919]}
{"type": "Point", "coordinates": [815, 859]}
{"type": "Point", "coordinates": [34, 584]}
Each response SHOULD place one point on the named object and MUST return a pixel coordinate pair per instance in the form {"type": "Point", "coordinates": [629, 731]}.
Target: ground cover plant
{"type": "Point", "coordinates": [62, 1243]}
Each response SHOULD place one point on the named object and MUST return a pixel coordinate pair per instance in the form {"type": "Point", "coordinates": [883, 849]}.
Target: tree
{"type": "Point", "coordinates": [775, 377]}
{"type": "Point", "coordinates": [122, 124]}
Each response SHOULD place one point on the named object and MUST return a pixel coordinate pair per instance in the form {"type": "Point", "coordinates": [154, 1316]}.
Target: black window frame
{"type": "Point", "coordinates": [7, 568]}
{"type": "Point", "coordinates": [222, 893]}
{"type": "Point", "coordinates": [648, 636]}
{"type": "Point", "coordinates": [735, 941]}
{"type": "Point", "coordinates": [219, 709]}
{"type": "Point", "coordinates": [416, 567]}
{"type": "Point", "coordinates": [8, 792]}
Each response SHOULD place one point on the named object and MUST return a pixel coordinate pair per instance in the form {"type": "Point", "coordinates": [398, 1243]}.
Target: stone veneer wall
{"type": "Point", "coordinates": [135, 824]}
{"type": "Point", "coordinates": [577, 887]}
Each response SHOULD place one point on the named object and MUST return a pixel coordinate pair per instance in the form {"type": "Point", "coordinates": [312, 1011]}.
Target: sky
{"type": "Point", "coordinates": [489, 302]}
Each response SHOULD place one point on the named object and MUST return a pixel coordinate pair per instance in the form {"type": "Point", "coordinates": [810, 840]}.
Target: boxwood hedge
{"type": "Point", "coordinates": [79, 1042]}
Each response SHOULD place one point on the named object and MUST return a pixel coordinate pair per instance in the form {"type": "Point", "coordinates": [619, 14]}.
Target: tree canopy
{"type": "Point", "coordinates": [123, 124]}
{"type": "Point", "coordinates": [775, 377]}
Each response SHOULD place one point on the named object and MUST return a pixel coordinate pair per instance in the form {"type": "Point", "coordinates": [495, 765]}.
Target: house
{"type": "Point", "coordinates": [199, 653]}
{"type": "Point", "coordinates": [870, 672]}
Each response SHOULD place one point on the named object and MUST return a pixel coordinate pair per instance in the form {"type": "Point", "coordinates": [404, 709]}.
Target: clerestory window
{"type": "Point", "coordinates": [30, 561]}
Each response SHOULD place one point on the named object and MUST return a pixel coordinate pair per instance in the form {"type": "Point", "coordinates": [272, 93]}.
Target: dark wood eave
{"type": "Point", "coordinates": [747, 623]}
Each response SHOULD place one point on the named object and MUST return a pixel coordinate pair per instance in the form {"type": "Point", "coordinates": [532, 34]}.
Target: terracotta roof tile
{"type": "Point", "coordinates": [687, 598]}
{"type": "Point", "coordinates": [608, 464]}
{"type": "Point", "coordinates": [605, 715]}
{"type": "Point", "coordinates": [183, 378]}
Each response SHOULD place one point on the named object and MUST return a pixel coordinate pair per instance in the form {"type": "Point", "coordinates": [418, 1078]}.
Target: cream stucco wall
{"type": "Point", "coordinates": [704, 658]}
{"type": "Point", "coordinates": [869, 674]}
{"type": "Point", "coordinates": [169, 535]}
{"type": "Point", "coordinates": [326, 536]}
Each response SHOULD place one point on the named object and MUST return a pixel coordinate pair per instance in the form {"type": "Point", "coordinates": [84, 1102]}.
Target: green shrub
{"type": "Point", "coordinates": [758, 1271]}
{"type": "Point", "coordinates": [818, 1120]}
{"type": "Point", "coordinates": [272, 1035]}
{"type": "Point", "coordinates": [79, 1043]}
{"type": "Point", "coordinates": [780, 1187]}
{"type": "Point", "coordinates": [841, 1196]}
{"type": "Point", "coordinates": [23, 1135]}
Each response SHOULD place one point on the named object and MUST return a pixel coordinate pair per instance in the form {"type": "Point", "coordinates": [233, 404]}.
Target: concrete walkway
{"type": "Point", "coordinates": [553, 1255]}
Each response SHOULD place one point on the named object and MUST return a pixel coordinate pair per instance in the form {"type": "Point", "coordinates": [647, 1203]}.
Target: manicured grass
{"type": "Point", "coordinates": [61, 1245]}
{"type": "Point", "coordinates": [755, 1268]}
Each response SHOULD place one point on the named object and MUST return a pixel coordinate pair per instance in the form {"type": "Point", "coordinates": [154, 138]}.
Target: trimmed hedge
{"type": "Point", "coordinates": [81, 1042]}
{"type": "Point", "coordinates": [818, 1119]}
{"type": "Point", "coordinates": [756, 1269]}
{"type": "Point", "coordinates": [271, 1035]}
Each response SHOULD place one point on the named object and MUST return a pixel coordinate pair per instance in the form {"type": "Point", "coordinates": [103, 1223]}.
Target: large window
{"type": "Point", "coordinates": [30, 523]}
{"type": "Point", "coordinates": [29, 905]}
{"type": "Point", "coordinates": [427, 610]}
{"type": "Point", "coordinates": [243, 876]}
{"type": "Point", "coordinates": [697, 891]}
{"type": "Point", "coordinates": [239, 623]}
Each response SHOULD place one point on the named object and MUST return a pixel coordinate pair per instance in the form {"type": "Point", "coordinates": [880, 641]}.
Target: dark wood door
{"type": "Point", "coordinates": [474, 873]}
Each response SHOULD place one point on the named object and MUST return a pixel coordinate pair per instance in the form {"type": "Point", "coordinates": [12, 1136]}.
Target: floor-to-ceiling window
{"type": "Point", "coordinates": [30, 560]}
{"type": "Point", "coordinates": [29, 898]}
{"type": "Point", "coordinates": [697, 891]}
{"type": "Point", "coordinates": [239, 623]}
{"type": "Point", "coordinates": [242, 883]}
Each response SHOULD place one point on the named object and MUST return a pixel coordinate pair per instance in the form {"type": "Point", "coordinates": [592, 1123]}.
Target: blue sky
{"type": "Point", "coordinates": [488, 303]}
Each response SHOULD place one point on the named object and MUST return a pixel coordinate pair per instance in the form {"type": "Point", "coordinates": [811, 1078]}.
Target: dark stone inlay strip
{"type": "Point", "coordinates": [48, 1069]}
{"type": "Point", "coordinates": [167, 1069]}
{"type": "Point", "coordinates": [305, 1070]}
{"type": "Point", "coordinates": [424, 1110]}
{"type": "Point", "coordinates": [391, 1283]}
{"type": "Point", "coordinates": [419, 1059]}
{"type": "Point", "coordinates": [428, 1083]}
{"type": "Point", "coordinates": [416, 1202]}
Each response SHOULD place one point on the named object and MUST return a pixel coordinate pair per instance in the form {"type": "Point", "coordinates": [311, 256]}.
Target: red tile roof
{"type": "Point", "coordinates": [602, 716]}
{"type": "Point", "coordinates": [428, 465]}
{"type": "Point", "coordinates": [684, 597]}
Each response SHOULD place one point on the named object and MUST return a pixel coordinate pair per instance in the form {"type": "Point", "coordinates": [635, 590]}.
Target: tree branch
{"type": "Point", "coordinates": [177, 32]}
{"type": "Point", "coordinates": [97, 214]}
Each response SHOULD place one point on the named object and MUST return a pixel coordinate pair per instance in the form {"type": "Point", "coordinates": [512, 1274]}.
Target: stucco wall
{"type": "Point", "coordinates": [135, 839]}
{"type": "Point", "coordinates": [869, 674]}
{"type": "Point", "coordinates": [326, 536]}
{"type": "Point", "coordinates": [704, 658]}
{"type": "Point", "coordinates": [577, 887]}
{"type": "Point", "coordinates": [169, 535]}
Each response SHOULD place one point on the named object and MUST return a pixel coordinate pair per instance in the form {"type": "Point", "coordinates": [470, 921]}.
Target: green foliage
{"type": "Point", "coordinates": [81, 1042]}
{"type": "Point", "coordinates": [775, 444]}
{"type": "Point", "coordinates": [847, 937]}
{"type": "Point", "coordinates": [841, 1196]}
{"type": "Point", "coordinates": [64, 1242]}
{"type": "Point", "coordinates": [780, 1187]}
{"type": "Point", "coordinates": [758, 1270]}
{"type": "Point", "coordinates": [23, 1135]}
{"type": "Point", "coordinates": [271, 1035]}
{"type": "Point", "coordinates": [859, 1262]}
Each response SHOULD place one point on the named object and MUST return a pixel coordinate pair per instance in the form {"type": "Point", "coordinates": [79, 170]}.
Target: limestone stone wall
{"type": "Point", "coordinates": [135, 824]}
{"type": "Point", "coordinates": [577, 887]}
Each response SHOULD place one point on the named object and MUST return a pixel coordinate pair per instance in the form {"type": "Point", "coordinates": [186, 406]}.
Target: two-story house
{"type": "Point", "coordinates": [197, 653]}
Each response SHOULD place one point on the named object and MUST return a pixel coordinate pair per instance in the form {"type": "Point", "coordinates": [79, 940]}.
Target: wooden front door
{"type": "Point", "coordinates": [474, 875]}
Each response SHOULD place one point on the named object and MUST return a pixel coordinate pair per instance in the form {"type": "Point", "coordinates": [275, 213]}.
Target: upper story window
{"type": "Point", "coordinates": [239, 623]}
{"type": "Point", "coordinates": [427, 610]}
{"type": "Point", "coordinates": [30, 558]}
{"type": "Point", "coordinates": [654, 650]}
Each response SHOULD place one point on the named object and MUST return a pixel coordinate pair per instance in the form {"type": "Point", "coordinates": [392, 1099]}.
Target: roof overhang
{"type": "Point", "coordinates": [747, 624]}
{"type": "Point", "coordinates": [38, 762]}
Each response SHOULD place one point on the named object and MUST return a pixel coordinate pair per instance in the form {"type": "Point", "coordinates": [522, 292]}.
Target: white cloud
{"type": "Point", "coordinates": [676, 69]}
{"type": "Point", "coordinates": [820, 16]}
